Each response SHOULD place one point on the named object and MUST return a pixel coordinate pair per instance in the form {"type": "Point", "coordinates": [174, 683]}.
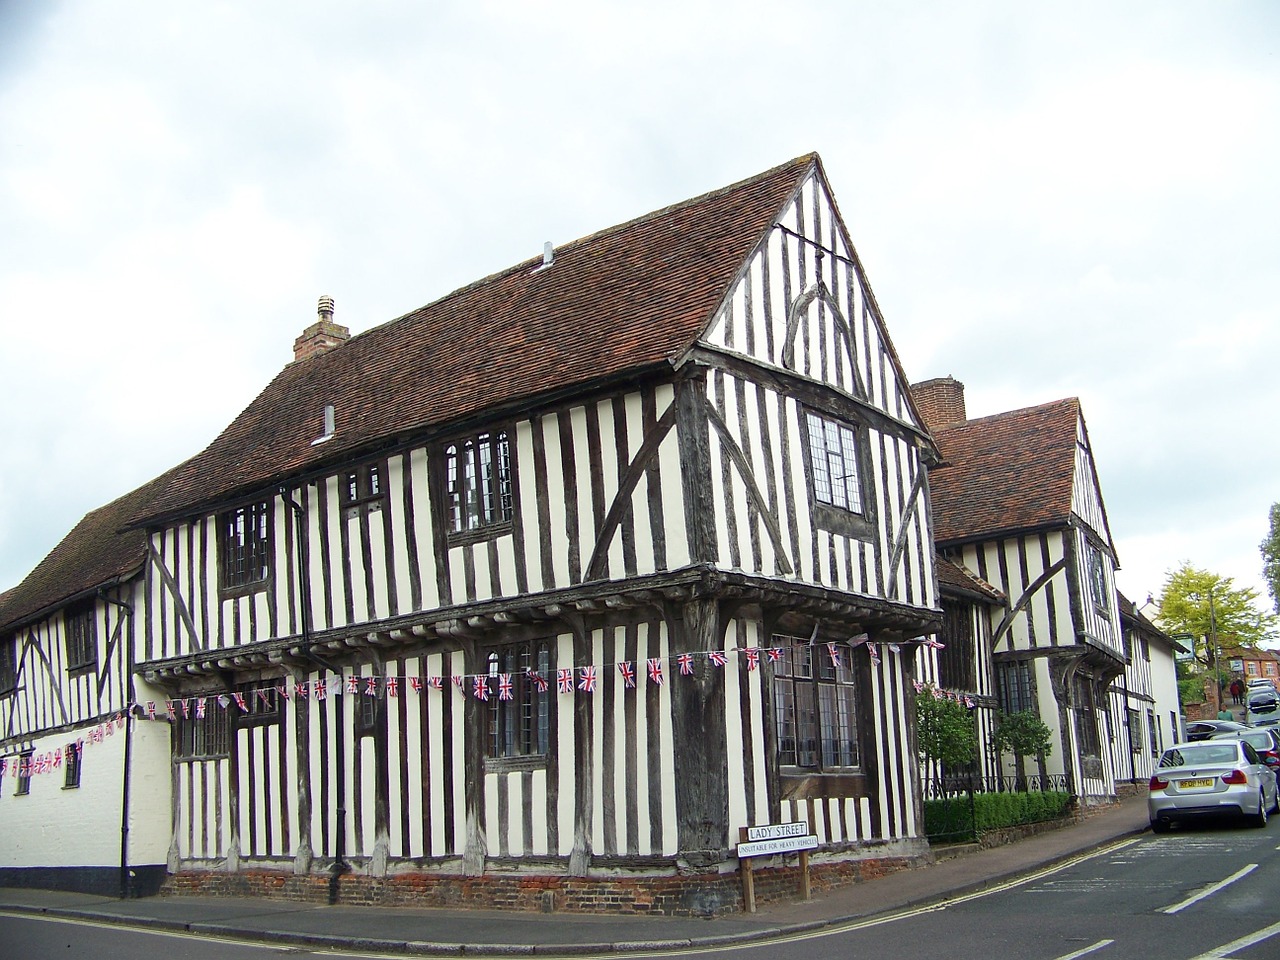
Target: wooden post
{"type": "Point", "coordinates": [748, 878]}
{"type": "Point", "coordinates": [804, 875]}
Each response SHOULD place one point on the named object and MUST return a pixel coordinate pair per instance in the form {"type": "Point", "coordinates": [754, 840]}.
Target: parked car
{"type": "Point", "coordinates": [1265, 683]}
{"type": "Point", "coordinates": [1264, 739]}
{"type": "Point", "coordinates": [1210, 778]}
{"type": "Point", "coordinates": [1204, 729]}
{"type": "Point", "coordinates": [1262, 701]}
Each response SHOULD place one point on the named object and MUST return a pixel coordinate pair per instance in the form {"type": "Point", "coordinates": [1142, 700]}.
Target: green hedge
{"type": "Point", "coordinates": [955, 819]}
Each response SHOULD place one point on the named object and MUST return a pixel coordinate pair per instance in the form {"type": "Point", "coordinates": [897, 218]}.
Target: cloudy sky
{"type": "Point", "coordinates": [1051, 200]}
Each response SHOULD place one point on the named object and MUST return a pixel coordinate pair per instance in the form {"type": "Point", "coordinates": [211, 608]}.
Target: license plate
{"type": "Point", "coordinates": [1196, 784]}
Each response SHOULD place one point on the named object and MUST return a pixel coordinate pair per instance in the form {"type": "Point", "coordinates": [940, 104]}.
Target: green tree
{"type": "Point", "coordinates": [1270, 548]}
{"type": "Point", "coordinates": [1206, 605]}
{"type": "Point", "coordinates": [1023, 734]}
{"type": "Point", "coordinates": [944, 730]}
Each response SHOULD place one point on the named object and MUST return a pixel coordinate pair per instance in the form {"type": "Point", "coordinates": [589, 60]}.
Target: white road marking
{"type": "Point", "coordinates": [1086, 950]}
{"type": "Point", "coordinates": [148, 931]}
{"type": "Point", "coordinates": [1224, 951]}
{"type": "Point", "coordinates": [1212, 889]}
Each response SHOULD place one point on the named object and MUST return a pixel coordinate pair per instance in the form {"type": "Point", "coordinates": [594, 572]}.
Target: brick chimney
{"type": "Point", "coordinates": [940, 401]}
{"type": "Point", "coordinates": [323, 335]}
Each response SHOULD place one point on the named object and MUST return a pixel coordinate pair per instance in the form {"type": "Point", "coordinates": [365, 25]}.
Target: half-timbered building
{"type": "Point", "coordinates": [1016, 501]}
{"type": "Point", "coordinates": [83, 784]}
{"type": "Point", "coordinates": [568, 575]}
{"type": "Point", "coordinates": [1144, 715]}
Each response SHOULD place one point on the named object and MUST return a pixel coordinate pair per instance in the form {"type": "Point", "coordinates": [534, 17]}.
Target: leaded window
{"type": "Point", "coordinates": [1014, 686]}
{"type": "Point", "coordinates": [833, 457]}
{"type": "Point", "coordinates": [204, 737]}
{"type": "Point", "coordinates": [479, 492]}
{"type": "Point", "coordinates": [8, 664]}
{"type": "Point", "coordinates": [244, 542]}
{"type": "Point", "coordinates": [71, 767]}
{"type": "Point", "coordinates": [520, 700]}
{"type": "Point", "coordinates": [363, 489]}
{"type": "Point", "coordinates": [81, 636]}
{"type": "Point", "coordinates": [815, 706]}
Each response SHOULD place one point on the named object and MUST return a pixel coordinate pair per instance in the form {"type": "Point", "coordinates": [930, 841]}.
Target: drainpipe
{"type": "Point", "coordinates": [126, 885]}
{"type": "Point", "coordinates": [340, 865]}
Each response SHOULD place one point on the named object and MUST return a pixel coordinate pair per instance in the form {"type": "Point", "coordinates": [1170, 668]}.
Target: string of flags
{"type": "Point", "coordinates": [967, 700]}
{"type": "Point", "coordinates": [483, 687]}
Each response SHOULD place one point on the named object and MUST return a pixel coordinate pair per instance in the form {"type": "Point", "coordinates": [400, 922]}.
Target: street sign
{"type": "Point", "coordinates": [763, 848]}
{"type": "Point", "coordinates": [772, 831]}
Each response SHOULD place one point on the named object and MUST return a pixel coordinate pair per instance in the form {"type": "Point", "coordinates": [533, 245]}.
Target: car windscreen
{"type": "Point", "coordinates": [1194, 754]}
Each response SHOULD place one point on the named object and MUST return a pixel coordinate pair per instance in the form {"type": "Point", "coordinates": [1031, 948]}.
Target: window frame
{"type": "Point", "coordinates": [245, 566]}
{"type": "Point", "coordinates": [1020, 696]}
{"type": "Point", "coordinates": [469, 512]}
{"type": "Point", "coordinates": [957, 669]}
{"type": "Point", "coordinates": [1096, 571]}
{"type": "Point", "coordinates": [851, 521]}
{"type": "Point", "coordinates": [363, 488]}
{"type": "Point", "coordinates": [23, 780]}
{"type": "Point", "coordinates": [518, 732]}
{"type": "Point", "coordinates": [8, 665]}
{"type": "Point", "coordinates": [72, 762]}
{"type": "Point", "coordinates": [805, 680]}
{"type": "Point", "coordinates": [260, 713]}
{"type": "Point", "coordinates": [203, 738]}
{"type": "Point", "coordinates": [80, 636]}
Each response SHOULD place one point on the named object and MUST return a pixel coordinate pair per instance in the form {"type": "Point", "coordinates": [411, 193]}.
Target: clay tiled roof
{"type": "Point", "coordinates": [1006, 473]}
{"type": "Point", "coordinates": [953, 578]}
{"type": "Point", "coordinates": [95, 553]}
{"type": "Point", "coordinates": [626, 301]}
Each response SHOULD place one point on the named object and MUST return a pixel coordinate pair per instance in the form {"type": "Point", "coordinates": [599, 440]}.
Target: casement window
{"type": "Point", "coordinates": [1133, 720]}
{"type": "Point", "coordinates": [244, 545]}
{"type": "Point", "coordinates": [204, 738]}
{"type": "Point", "coordinates": [81, 636]}
{"type": "Point", "coordinates": [956, 659]}
{"type": "Point", "coordinates": [1098, 580]}
{"type": "Point", "coordinates": [1014, 686]}
{"type": "Point", "coordinates": [814, 707]}
{"type": "Point", "coordinates": [363, 489]}
{"type": "Point", "coordinates": [835, 465]}
{"type": "Point", "coordinates": [24, 773]}
{"type": "Point", "coordinates": [1155, 733]}
{"type": "Point", "coordinates": [479, 493]}
{"type": "Point", "coordinates": [366, 711]}
{"type": "Point", "coordinates": [71, 767]}
{"type": "Point", "coordinates": [518, 712]}
{"type": "Point", "coordinates": [1086, 718]}
{"type": "Point", "coordinates": [261, 705]}
{"type": "Point", "coordinates": [8, 665]}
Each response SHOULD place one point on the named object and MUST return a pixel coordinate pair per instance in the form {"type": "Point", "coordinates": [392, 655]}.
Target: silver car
{"type": "Point", "coordinates": [1210, 778]}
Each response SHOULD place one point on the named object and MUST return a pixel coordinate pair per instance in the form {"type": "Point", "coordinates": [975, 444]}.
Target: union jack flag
{"type": "Point", "coordinates": [753, 658]}
{"type": "Point", "coordinates": [875, 654]}
{"type": "Point", "coordinates": [504, 686]}
{"type": "Point", "coordinates": [415, 684]}
{"type": "Point", "coordinates": [200, 707]}
{"type": "Point", "coordinates": [655, 671]}
{"type": "Point", "coordinates": [480, 688]}
{"type": "Point", "coordinates": [459, 682]}
{"type": "Point", "coordinates": [239, 699]}
{"type": "Point", "coordinates": [935, 643]}
{"type": "Point", "coordinates": [834, 654]}
{"type": "Point", "coordinates": [393, 686]}
{"type": "Point", "coordinates": [918, 685]}
{"type": "Point", "coordinates": [718, 658]}
{"type": "Point", "coordinates": [371, 686]}
{"type": "Point", "coordinates": [686, 663]}
{"type": "Point", "coordinates": [587, 679]}
{"type": "Point", "coordinates": [628, 671]}
{"type": "Point", "coordinates": [283, 690]}
{"type": "Point", "coordinates": [151, 709]}
{"type": "Point", "coordinates": [774, 654]}
{"type": "Point", "coordinates": [186, 710]}
{"type": "Point", "coordinates": [436, 682]}
{"type": "Point", "coordinates": [938, 694]}
{"type": "Point", "coordinates": [968, 702]}
{"type": "Point", "coordinates": [300, 689]}
{"type": "Point", "coordinates": [173, 713]}
{"type": "Point", "coordinates": [353, 684]}
{"type": "Point", "coordinates": [321, 689]}
{"type": "Point", "coordinates": [564, 680]}
{"type": "Point", "coordinates": [538, 680]}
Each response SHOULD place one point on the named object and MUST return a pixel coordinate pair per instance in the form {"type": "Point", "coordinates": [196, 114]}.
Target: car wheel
{"type": "Point", "coordinates": [1159, 826]}
{"type": "Point", "coordinates": [1260, 818]}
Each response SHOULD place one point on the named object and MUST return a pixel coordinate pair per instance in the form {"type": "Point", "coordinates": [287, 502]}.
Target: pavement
{"type": "Point", "coordinates": [433, 931]}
